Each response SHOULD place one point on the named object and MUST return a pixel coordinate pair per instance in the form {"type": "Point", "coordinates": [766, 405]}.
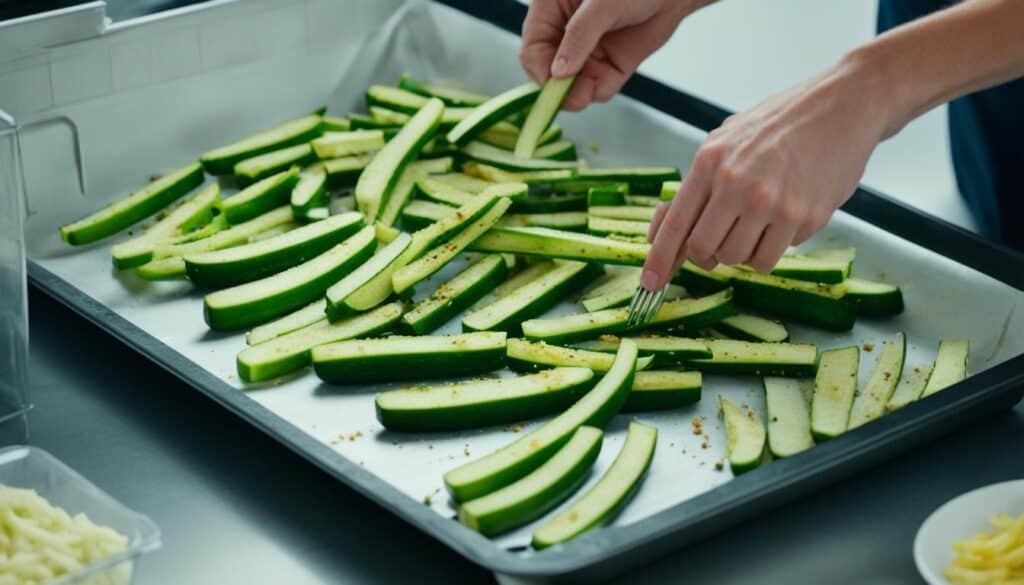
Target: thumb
{"type": "Point", "coordinates": [582, 33]}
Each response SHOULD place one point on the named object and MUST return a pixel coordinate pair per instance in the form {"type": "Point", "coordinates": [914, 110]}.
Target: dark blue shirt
{"type": "Point", "coordinates": [986, 131]}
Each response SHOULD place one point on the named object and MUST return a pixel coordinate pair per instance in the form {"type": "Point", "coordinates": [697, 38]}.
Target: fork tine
{"type": "Point", "coordinates": [647, 308]}
{"type": "Point", "coordinates": [639, 300]}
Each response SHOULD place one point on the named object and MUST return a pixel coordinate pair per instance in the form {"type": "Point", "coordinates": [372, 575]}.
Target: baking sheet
{"type": "Point", "coordinates": [944, 298]}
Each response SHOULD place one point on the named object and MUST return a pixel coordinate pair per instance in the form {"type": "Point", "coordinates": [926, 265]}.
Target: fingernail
{"type": "Point", "coordinates": [559, 68]}
{"type": "Point", "coordinates": [650, 279]}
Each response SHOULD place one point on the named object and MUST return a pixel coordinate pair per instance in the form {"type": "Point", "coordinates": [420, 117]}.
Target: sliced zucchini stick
{"type": "Point", "coordinates": [828, 266]}
{"type": "Point", "coordinates": [870, 402]}
{"type": "Point", "coordinates": [669, 190]}
{"type": "Point", "coordinates": [551, 284]}
{"type": "Point", "coordinates": [379, 177]}
{"type": "Point", "coordinates": [259, 167]}
{"type": "Point", "coordinates": [340, 295]}
{"type": "Point", "coordinates": [345, 171]}
{"type": "Point", "coordinates": [310, 191]}
{"type": "Point", "coordinates": [394, 98]}
{"type": "Point", "coordinates": [432, 190]}
{"type": "Point", "coordinates": [168, 260]}
{"type": "Point", "coordinates": [558, 150]}
{"type": "Point", "coordinates": [616, 291]}
{"type": "Point", "coordinates": [406, 185]}
{"type": "Point", "coordinates": [745, 436]}
{"type": "Point", "coordinates": [134, 208]}
{"type": "Point", "coordinates": [451, 96]}
{"type": "Point", "coordinates": [687, 313]}
{"type": "Point", "coordinates": [603, 226]}
{"type": "Point", "coordinates": [262, 300]}
{"type": "Point", "coordinates": [873, 299]}
{"type": "Point", "coordinates": [341, 144]}
{"type": "Point", "coordinates": [515, 461]}
{"type": "Point", "coordinates": [261, 196]}
{"type": "Point", "coordinates": [628, 212]}
{"type": "Point", "coordinates": [639, 179]}
{"type": "Point", "coordinates": [910, 388]}
{"type": "Point", "coordinates": [292, 351]}
{"type": "Point", "coordinates": [609, 495]}
{"type": "Point", "coordinates": [834, 390]}
{"type": "Point", "coordinates": [663, 390]}
{"type": "Point", "coordinates": [504, 135]}
{"type": "Point", "coordinates": [542, 113]}
{"type": "Point", "coordinates": [474, 404]}
{"type": "Point", "coordinates": [552, 204]}
{"type": "Point", "coordinates": [610, 196]}
{"type": "Point", "coordinates": [222, 161]}
{"type": "Point", "coordinates": [196, 211]}
{"type": "Point", "coordinates": [463, 182]}
{"type": "Point", "coordinates": [749, 327]}
{"type": "Point", "coordinates": [336, 124]}
{"type": "Point", "coordinates": [419, 214]}
{"type": "Point", "coordinates": [420, 269]}
{"type": "Point", "coordinates": [544, 488]}
{"type": "Point", "coordinates": [950, 366]}
{"type": "Point", "coordinates": [493, 111]}
{"type": "Point", "coordinates": [560, 244]}
{"type": "Point", "coordinates": [789, 417]}
{"type": "Point", "coordinates": [400, 358]}
{"type": "Point", "coordinates": [250, 262]}
{"type": "Point", "coordinates": [303, 317]}
{"type": "Point", "coordinates": [573, 221]}
{"type": "Point", "coordinates": [666, 350]}
{"type": "Point", "coordinates": [505, 160]}
{"type": "Point", "coordinates": [795, 360]}
{"type": "Point", "coordinates": [643, 200]}
{"type": "Point", "coordinates": [527, 356]}
{"type": "Point", "coordinates": [452, 297]}
{"type": "Point", "coordinates": [539, 178]}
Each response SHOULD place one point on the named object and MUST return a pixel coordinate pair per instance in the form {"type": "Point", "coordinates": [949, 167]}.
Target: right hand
{"type": "Point", "coordinates": [602, 42]}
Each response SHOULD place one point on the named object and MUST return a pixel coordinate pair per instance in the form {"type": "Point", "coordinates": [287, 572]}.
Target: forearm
{"type": "Point", "coordinates": [971, 46]}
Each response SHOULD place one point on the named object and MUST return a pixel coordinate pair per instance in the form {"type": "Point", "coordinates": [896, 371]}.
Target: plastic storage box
{"type": "Point", "coordinates": [32, 468]}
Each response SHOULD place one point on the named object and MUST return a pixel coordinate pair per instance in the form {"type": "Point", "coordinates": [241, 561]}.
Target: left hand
{"type": "Point", "coordinates": [772, 175]}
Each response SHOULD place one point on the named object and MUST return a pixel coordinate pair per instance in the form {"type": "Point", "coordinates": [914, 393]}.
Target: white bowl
{"type": "Point", "coordinates": [960, 518]}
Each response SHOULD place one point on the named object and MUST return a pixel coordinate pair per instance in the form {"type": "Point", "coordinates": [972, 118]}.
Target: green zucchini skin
{"type": "Point", "coordinates": [613, 194]}
{"type": "Point", "coordinates": [550, 203]}
{"type": "Point", "coordinates": [874, 303]}
{"type": "Point", "coordinates": [229, 273]}
{"type": "Point", "coordinates": [646, 397]}
{"type": "Point", "coordinates": [550, 243]}
{"type": "Point", "coordinates": [567, 469]}
{"type": "Point", "coordinates": [253, 169]}
{"type": "Point", "coordinates": [457, 300]}
{"type": "Point", "coordinates": [137, 206]}
{"type": "Point", "coordinates": [662, 356]}
{"type": "Point", "coordinates": [493, 111]}
{"type": "Point", "coordinates": [222, 161]}
{"type": "Point", "coordinates": [724, 361]}
{"type": "Point", "coordinates": [450, 414]}
{"type": "Point", "coordinates": [700, 281]}
{"type": "Point", "coordinates": [397, 367]}
{"type": "Point", "coordinates": [512, 323]}
{"type": "Point", "coordinates": [243, 316]}
{"type": "Point", "coordinates": [261, 196]}
{"type": "Point", "coordinates": [734, 330]}
{"type": "Point", "coordinates": [640, 180]}
{"type": "Point", "coordinates": [345, 171]}
{"type": "Point", "coordinates": [511, 463]}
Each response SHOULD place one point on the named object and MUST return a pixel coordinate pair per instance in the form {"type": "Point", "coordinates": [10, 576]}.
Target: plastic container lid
{"type": "Point", "coordinates": [32, 468]}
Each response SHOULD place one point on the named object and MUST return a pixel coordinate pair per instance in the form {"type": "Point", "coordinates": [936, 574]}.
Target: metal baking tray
{"type": "Point", "coordinates": [139, 120]}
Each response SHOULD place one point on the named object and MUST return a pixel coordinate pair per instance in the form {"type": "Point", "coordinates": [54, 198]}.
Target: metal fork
{"type": "Point", "coordinates": [645, 306]}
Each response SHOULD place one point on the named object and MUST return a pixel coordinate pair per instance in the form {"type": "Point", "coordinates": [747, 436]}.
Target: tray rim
{"type": "Point", "coordinates": [994, 389]}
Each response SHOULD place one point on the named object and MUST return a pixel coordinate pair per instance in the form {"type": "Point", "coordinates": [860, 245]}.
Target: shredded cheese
{"type": "Point", "coordinates": [991, 558]}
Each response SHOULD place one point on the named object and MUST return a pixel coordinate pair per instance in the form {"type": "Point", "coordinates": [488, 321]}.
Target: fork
{"type": "Point", "coordinates": [645, 306]}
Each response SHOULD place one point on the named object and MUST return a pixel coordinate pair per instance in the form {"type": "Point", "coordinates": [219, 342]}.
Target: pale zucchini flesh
{"type": "Point", "coordinates": [533, 495]}
{"type": "Point", "coordinates": [542, 113]}
{"type": "Point", "coordinates": [794, 360]}
{"type": "Point", "coordinates": [342, 144]}
{"type": "Point", "coordinates": [505, 160]}
{"type": "Point", "coordinates": [222, 161]}
{"type": "Point", "coordinates": [870, 402]}
{"type": "Point", "coordinates": [950, 366]}
{"type": "Point", "coordinates": [873, 299]}
{"type": "Point", "coordinates": [310, 191]}
{"type": "Point", "coordinates": [511, 463]}
{"type": "Point", "coordinates": [259, 167]}
{"type": "Point", "coordinates": [493, 111]}
{"type": "Point", "coordinates": [263, 300]}
{"type": "Point", "coordinates": [534, 356]}
{"type": "Point", "coordinates": [195, 211]}
{"type": "Point", "coordinates": [663, 390]}
{"type": "Point", "coordinates": [134, 208]}
{"type": "Point", "coordinates": [834, 388]}
{"type": "Point", "coordinates": [561, 244]}
{"type": "Point", "coordinates": [573, 221]}
{"type": "Point", "coordinates": [261, 196]}
{"type": "Point", "coordinates": [627, 212]}
{"type": "Point", "coordinates": [747, 327]}
{"type": "Point", "coordinates": [484, 402]}
{"type": "Point", "coordinates": [789, 417]}
{"type": "Point", "coordinates": [602, 503]}
{"type": "Point", "coordinates": [406, 186]}
{"type": "Point", "coordinates": [604, 226]}
{"type": "Point", "coordinates": [291, 351]}
{"type": "Point", "coordinates": [910, 388]}
{"type": "Point", "coordinates": [303, 317]}
{"type": "Point", "coordinates": [665, 349]}
{"type": "Point", "coordinates": [418, 214]}
{"type": "Point", "coordinates": [745, 436]}
{"type": "Point", "coordinates": [339, 295]}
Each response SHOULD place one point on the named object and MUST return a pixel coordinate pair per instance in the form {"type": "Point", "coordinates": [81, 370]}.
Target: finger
{"type": "Point", "coordinates": [710, 230]}
{"type": "Point", "coordinates": [741, 241]}
{"type": "Point", "coordinates": [581, 94]}
{"type": "Point", "coordinates": [583, 31]}
{"type": "Point", "coordinates": [536, 60]}
{"type": "Point", "coordinates": [773, 244]}
{"type": "Point", "coordinates": [608, 79]}
{"type": "Point", "coordinates": [810, 227]}
{"type": "Point", "coordinates": [675, 228]}
{"type": "Point", "coordinates": [659, 215]}
{"type": "Point", "coordinates": [542, 31]}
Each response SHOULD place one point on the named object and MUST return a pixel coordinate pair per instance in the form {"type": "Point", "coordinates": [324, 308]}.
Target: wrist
{"type": "Point", "coordinates": [887, 92]}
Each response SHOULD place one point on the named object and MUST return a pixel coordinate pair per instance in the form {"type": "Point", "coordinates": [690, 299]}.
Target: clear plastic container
{"type": "Point", "coordinates": [33, 468]}
{"type": "Point", "coordinates": [14, 397]}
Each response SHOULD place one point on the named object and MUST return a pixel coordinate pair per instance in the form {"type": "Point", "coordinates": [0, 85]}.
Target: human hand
{"type": "Point", "coordinates": [600, 41]}
{"type": "Point", "coordinates": [771, 176]}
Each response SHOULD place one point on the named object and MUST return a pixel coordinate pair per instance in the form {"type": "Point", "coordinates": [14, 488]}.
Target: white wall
{"type": "Point", "coordinates": [736, 52]}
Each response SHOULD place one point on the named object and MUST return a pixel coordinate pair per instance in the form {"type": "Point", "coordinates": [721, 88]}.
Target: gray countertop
{"type": "Point", "coordinates": [236, 507]}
